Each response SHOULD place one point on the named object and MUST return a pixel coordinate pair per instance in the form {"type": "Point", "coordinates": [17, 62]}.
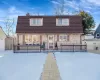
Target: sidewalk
{"type": "Point", "coordinates": [94, 51]}
{"type": "Point", "coordinates": [50, 70]}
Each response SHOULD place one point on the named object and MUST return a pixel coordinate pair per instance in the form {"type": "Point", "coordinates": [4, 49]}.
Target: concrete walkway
{"type": "Point", "coordinates": [94, 51]}
{"type": "Point", "coordinates": [50, 70]}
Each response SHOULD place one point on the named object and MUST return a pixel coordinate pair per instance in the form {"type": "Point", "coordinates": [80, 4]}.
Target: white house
{"type": "Point", "coordinates": [2, 39]}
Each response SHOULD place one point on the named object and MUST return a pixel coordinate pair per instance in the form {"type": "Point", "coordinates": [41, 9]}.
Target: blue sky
{"type": "Point", "coordinates": [13, 8]}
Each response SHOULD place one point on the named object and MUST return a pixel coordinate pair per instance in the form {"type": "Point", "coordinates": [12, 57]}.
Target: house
{"type": "Point", "coordinates": [62, 29]}
{"type": "Point", "coordinates": [88, 36]}
{"type": "Point", "coordinates": [97, 32]}
{"type": "Point", "coordinates": [2, 39]}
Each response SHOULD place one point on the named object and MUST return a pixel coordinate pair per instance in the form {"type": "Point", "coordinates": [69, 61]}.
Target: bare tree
{"type": "Point", "coordinates": [59, 7]}
{"type": "Point", "coordinates": [9, 29]}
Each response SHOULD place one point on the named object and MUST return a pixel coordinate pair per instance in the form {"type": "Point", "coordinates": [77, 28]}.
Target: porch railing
{"type": "Point", "coordinates": [38, 48]}
{"type": "Point", "coordinates": [74, 48]}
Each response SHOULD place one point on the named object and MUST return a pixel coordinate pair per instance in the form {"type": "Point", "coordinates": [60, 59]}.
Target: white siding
{"type": "Point", "coordinates": [2, 43]}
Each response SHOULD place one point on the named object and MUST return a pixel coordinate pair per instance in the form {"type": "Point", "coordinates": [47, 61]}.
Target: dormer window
{"type": "Point", "coordinates": [62, 22]}
{"type": "Point", "coordinates": [36, 22]}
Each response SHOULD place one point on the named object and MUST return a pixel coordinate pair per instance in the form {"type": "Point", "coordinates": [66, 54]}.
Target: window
{"type": "Point", "coordinates": [36, 39]}
{"type": "Point", "coordinates": [28, 39]}
{"type": "Point", "coordinates": [32, 39]}
{"type": "Point", "coordinates": [36, 22]}
{"type": "Point", "coordinates": [97, 35]}
{"type": "Point", "coordinates": [62, 37]}
{"type": "Point", "coordinates": [20, 39]}
{"type": "Point", "coordinates": [62, 22]}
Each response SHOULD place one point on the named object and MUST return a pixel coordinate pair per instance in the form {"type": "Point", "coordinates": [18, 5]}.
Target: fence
{"type": "Point", "coordinates": [26, 48]}
{"type": "Point", "coordinates": [74, 48]}
{"type": "Point", "coordinates": [9, 42]}
{"type": "Point", "coordinates": [38, 48]}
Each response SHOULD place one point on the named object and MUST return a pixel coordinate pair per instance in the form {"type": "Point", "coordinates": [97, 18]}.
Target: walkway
{"type": "Point", "coordinates": [50, 70]}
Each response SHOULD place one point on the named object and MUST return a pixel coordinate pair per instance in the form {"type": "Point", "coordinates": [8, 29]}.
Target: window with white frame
{"type": "Point", "coordinates": [62, 22]}
{"type": "Point", "coordinates": [28, 39]}
{"type": "Point", "coordinates": [32, 39]}
{"type": "Point", "coordinates": [20, 39]}
{"type": "Point", "coordinates": [36, 21]}
{"type": "Point", "coordinates": [62, 37]}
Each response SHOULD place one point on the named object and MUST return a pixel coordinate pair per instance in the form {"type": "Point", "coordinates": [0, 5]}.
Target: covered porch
{"type": "Point", "coordinates": [50, 40]}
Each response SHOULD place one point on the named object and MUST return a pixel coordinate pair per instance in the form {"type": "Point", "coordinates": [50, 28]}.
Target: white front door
{"type": "Point", "coordinates": [50, 41]}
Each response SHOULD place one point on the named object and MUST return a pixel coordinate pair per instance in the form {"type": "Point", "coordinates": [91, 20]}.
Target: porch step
{"type": "Point", "coordinates": [50, 70]}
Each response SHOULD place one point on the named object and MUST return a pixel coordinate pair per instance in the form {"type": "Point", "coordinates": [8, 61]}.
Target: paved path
{"type": "Point", "coordinates": [94, 51]}
{"type": "Point", "coordinates": [50, 70]}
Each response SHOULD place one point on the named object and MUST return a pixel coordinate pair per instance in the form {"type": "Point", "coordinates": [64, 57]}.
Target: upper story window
{"type": "Point", "coordinates": [36, 22]}
{"type": "Point", "coordinates": [62, 22]}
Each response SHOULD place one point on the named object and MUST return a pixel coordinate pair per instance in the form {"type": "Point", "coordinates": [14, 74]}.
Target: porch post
{"type": "Point", "coordinates": [23, 38]}
{"type": "Point", "coordinates": [40, 39]}
{"type": "Point", "coordinates": [47, 42]}
{"type": "Point", "coordinates": [68, 37]}
{"type": "Point", "coordinates": [17, 38]}
{"type": "Point", "coordinates": [57, 37]}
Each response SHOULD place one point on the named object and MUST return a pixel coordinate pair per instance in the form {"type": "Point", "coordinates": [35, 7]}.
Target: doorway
{"type": "Point", "coordinates": [50, 42]}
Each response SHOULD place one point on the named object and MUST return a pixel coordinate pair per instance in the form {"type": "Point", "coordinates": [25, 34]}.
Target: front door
{"type": "Point", "coordinates": [50, 41]}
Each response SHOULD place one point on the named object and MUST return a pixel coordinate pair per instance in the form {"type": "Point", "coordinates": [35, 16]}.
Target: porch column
{"type": "Point", "coordinates": [57, 37]}
{"type": "Point", "coordinates": [68, 37]}
{"type": "Point", "coordinates": [47, 41]}
{"type": "Point", "coordinates": [23, 38]}
{"type": "Point", "coordinates": [81, 38]}
{"type": "Point", "coordinates": [17, 38]}
{"type": "Point", "coordinates": [40, 39]}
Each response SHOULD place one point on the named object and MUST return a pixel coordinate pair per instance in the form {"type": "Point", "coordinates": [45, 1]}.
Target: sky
{"type": "Point", "coordinates": [14, 8]}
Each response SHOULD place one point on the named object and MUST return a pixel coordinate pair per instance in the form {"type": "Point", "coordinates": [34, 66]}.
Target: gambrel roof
{"type": "Point", "coordinates": [49, 25]}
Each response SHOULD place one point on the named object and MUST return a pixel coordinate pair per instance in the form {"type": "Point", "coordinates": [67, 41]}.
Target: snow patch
{"type": "Point", "coordinates": [78, 65]}
{"type": "Point", "coordinates": [21, 66]}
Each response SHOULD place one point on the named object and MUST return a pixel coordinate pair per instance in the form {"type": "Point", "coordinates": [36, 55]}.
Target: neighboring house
{"type": "Point", "coordinates": [2, 39]}
{"type": "Point", "coordinates": [49, 30]}
{"type": "Point", "coordinates": [97, 32]}
{"type": "Point", "coordinates": [87, 36]}
{"type": "Point", "coordinates": [92, 32]}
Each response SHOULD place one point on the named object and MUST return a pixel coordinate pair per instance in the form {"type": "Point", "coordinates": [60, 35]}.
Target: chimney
{"type": "Point", "coordinates": [28, 14]}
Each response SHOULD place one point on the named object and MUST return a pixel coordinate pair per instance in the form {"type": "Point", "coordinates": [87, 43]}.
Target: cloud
{"type": "Point", "coordinates": [55, 2]}
{"type": "Point", "coordinates": [95, 2]}
{"type": "Point", "coordinates": [6, 3]}
{"type": "Point", "coordinates": [96, 12]}
{"type": "Point", "coordinates": [11, 12]}
{"type": "Point", "coordinates": [72, 4]}
{"type": "Point", "coordinates": [1, 20]}
{"type": "Point", "coordinates": [14, 10]}
{"type": "Point", "coordinates": [86, 5]}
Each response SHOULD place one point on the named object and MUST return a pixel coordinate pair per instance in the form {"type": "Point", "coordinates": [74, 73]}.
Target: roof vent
{"type": "Point", "coordinates": [28, 14]}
